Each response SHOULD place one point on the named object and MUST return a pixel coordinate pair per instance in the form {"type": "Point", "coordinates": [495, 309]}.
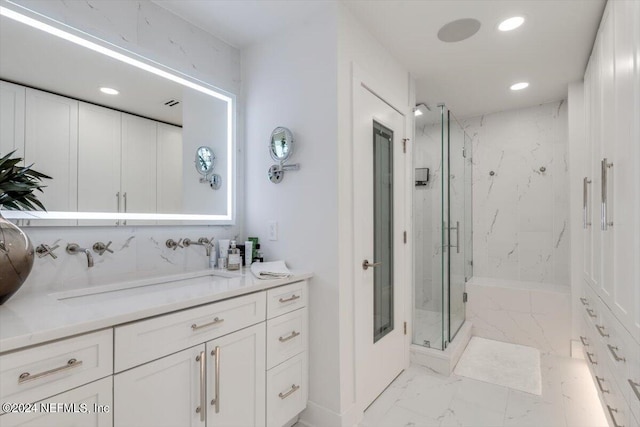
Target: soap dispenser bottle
{"type": "Point", "coordinates": [234, 261]}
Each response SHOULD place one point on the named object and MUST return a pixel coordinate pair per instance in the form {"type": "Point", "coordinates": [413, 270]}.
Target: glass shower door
{"type": "Point", "coordinates": [457, 226]}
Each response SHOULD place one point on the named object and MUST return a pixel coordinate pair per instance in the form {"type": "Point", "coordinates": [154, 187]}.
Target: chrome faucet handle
{"type": "Point", "coordinates": [100, 248]}
{"type": "Point", "coordinates": [172, 244]}
{"type": "Point", "coordinates": [204, 241]}
{"type": "Point", "coordinates": [188, 242]}
{"type": "Point", "coordinates": [43, 250]}
{"type": "Point", "coordinates": [74, 249]}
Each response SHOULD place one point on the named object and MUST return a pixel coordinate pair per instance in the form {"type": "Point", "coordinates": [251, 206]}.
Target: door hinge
{"type": "Point", "coordinates": [464, 153]}
{"type": "Point", "coordinates": [404, 144]}
{"type": "Point", "coordinates": [404, 237]}
{"type": "Point", "coordinates": [405, 328]}
{"type": "Point", "coordinates": [465, 297]}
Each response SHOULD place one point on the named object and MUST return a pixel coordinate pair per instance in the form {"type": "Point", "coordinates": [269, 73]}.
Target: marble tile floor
{"type": "Point", "coordinates": [420, 397]}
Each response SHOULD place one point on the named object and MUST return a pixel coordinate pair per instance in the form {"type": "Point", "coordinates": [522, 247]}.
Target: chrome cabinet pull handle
{"type": "Point", "coordinates": [26, 376]}
{"type": "Point", "coordinates": [124, 196]}
{"type": "Point", "coordinates": [600, 329]}
{"type": "Point", "coordinates": [366, 264]}
{"type": "Point", "coordinates": [292, 390]}
{"type": "Point", "coordinates": [584, 339]}
{"type": "Point", "coordinates": [604, 221]}
{"type": "Point", "coordinates": [585, 215]}
{"type": "Point", "coordinates": [118, 208]}
{"type": "Point", "coordinates": [292, 298]}
{"type": "Point", "coordinates": [216, 400]}
{"type": "Point", "coordinates": [203, 386]}
{"type": "Point", "coordinates": [584, 301]}
{"type": "Point", "coordinates": [613, 418]}
{"type": "Point", "coordinates": [634, 386]}
{"type": "Point", "coordinates": [591, 313]}
{"type": "Point", "coordinates": [590, 355]}
{"type": "Point", "coordinates": [600, 381]}
{"type": "Point", "coordinates": [292, 336]}
{"type": "Point", "coordinates": [613, 349]}
{"type": "Point", "coordinates": [215, 321]}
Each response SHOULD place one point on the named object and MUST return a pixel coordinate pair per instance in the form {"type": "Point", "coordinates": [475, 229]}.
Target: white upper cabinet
{"type": "Point", "coordinates": [51, 145]}
{"type": "Point", "coordinates": [169, 169]}
{"type": "Point", "coordinates": [99, 159]}
{"type": "Point", "coordinates": [11, 118]}
{"type": "Point", "coordinates": [139, 162]}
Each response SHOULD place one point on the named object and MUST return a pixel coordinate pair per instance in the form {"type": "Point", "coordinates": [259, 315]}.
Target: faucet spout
{"type": "Point", "coordinates": [74, 249]}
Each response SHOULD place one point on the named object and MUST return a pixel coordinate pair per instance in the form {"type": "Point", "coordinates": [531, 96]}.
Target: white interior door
{"type": "Point", "coordinates": [379, 200]}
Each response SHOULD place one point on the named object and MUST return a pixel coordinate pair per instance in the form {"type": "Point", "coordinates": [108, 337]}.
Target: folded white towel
{"type": "Point", "coordinates": [270, 270]}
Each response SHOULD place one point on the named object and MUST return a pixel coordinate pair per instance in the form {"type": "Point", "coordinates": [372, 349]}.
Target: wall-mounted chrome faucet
{"type": "Point", "coordinates": [203, 241]}
{"type": "Point", "coordinates": [74, 249]}
{"type": "Point", "coordinates": [172, 244]}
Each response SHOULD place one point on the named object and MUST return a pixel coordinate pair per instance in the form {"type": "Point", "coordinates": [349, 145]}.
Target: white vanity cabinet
{"type": "Point", "coordinates": [51, 145]}
{"type": "Point", "coordinates": [12, 99]}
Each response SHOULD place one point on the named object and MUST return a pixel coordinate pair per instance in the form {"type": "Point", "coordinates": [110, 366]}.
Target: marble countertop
{"type": "Point", "coordinates": [35, 318]}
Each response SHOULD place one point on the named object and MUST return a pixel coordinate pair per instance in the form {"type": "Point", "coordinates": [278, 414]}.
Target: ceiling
{"type": "Point", "coordinates": [472, 76]}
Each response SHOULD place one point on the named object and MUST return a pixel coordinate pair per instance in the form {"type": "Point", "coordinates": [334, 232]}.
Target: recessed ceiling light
{"type": "Point", "coordinates": [511, 23]}
{"type": "Point", "coordinates": [109, 91]}
{"type": "Point", "coordinates": [458, 30]}
{"type": "Point", "coordinates": [417, 112]}
{"type": "Point", "coordinates": [519, 86]}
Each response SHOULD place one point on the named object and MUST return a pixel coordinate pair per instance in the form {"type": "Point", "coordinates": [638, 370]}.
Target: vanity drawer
{"type": "Point", "coordinates": [147, 340]}
{"type": "Point", "coordinates": [632, 384]}
{"type": "Point", "coordinates": [286, 298]}
{"type": "Point", "coordinates": [287, 335]}
{"type": "Point", "coordinates": [50, 369]}
{"type": "Point", "coordinates": [287, 390]}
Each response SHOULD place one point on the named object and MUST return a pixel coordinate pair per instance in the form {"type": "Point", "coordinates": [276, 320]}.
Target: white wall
{"type": "Point", "coordinates": [146, 29]}
{"type": "Point", "coordinates": [290, 80]}
{"type": "Point", "coordinates": [521, 215]}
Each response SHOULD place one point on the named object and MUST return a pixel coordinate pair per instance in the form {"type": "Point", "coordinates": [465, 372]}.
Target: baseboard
{"type": "Point", "coordinates": [319, 416]}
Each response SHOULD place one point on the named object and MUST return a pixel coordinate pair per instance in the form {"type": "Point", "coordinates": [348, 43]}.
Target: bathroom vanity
{"type": "Point", "coordinates": [198, 349]}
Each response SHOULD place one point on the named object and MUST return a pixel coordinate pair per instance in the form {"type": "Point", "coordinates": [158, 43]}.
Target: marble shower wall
{"type": "Point", "coordinates": [521, 213]}
{"type": "Point", "coordinates": [147, 29]}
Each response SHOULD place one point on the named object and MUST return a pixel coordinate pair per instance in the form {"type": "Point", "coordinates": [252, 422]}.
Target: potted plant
{"type": "Point", "coordinates": [17, 186]}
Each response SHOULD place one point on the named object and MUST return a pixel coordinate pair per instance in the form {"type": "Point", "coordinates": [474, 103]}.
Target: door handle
{"type": "Point", "coordinates": [585, 197]}
{"type": "Point", "coordinates": [366, 264]}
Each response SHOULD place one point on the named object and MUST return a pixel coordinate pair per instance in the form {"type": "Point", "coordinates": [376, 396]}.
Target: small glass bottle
{"type": "Point", "coordinates": [234, 260]}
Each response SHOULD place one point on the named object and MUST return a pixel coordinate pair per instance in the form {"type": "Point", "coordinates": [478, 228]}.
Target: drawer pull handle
{"type": "Point", "coordinates": [216, 400]}
{"type": "Point", "coordinates": [591, 313]}
{"type": "Point", "coordinates": [584, 341]}
{"type": "Point", "coordinates": [584, 301]}
{"type": "Point", "coordinates": [600, 381]}
{"type": "Point", "coordinates": [590, 355]}
{"type": "Point", "coordinates": [634, 386]}
{"type": "Point", "coordinates": [290, 337]}
{"type": "Point", "coordinates": [600, 329]}
{"type": "Point", "coordinates": [292, 298]}
{"type": "Point", "coordinates": [613, 418]}
{"type": "Point", "coordinates": [293, 389]}
{"type": "Point", "coordinates": [203, 385]}
{"type": "Point", "coordinates": [26, 376]}
{"type": "Point", "coordinates": [613, 349]}
{"type": "Point", "coordinates": [216, 321]}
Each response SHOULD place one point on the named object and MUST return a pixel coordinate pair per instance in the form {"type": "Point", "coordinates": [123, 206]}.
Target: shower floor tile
{"type": "Point", "coordinates": [421, 398]}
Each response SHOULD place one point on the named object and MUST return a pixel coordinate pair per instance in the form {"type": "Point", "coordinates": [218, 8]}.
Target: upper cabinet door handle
{"type": "Point", "coordinates": [604, 220]}
{"type": "Point", "coordinates": [585, 204]}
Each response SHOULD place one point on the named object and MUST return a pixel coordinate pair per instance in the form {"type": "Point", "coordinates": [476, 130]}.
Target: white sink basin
{"type": "Point", "coordinates": [143, 286]}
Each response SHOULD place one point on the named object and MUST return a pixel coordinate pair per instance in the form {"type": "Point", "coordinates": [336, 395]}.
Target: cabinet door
{"type": "Point", "coordinates": [138, 166]}
{"type": "Point", "coordinates": [166, 392]}
{"type": "Point", "coordinates": [99, 161]}
{"type": "Point", "coordinates": [87, 406]}
{"type": "Point", "coordinates": [607, 151]}
{"type": "Point", "coordinates": [12, 98]}
{"type": "Point", "coordinates": [51, 145]}
{"type": "Point", "coordinates": [588, 194]}
{"type": "Point", "coordinates": [170, 170]}
{"type": "Point", "coordinates": [625, 188]}
{"type": "Point", "coordinates": [236, 379]}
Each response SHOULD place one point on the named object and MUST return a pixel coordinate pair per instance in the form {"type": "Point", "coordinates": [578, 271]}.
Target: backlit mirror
{"type": "Point", "coordinates": [116, 131]}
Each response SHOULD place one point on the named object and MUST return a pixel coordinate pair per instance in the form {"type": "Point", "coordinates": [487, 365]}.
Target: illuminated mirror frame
{"type": "Point", "coordinates": [59, 29]}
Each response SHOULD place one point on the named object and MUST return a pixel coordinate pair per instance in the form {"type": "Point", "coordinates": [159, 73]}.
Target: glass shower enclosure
{"type": "Point", "coordinates": [442, 227]}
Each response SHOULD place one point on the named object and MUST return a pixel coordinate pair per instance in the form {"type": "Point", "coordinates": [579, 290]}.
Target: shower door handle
{"type": "Point", "coordinates": [457, 245]}
{"type": "Point", "coordinates": [366, 264]}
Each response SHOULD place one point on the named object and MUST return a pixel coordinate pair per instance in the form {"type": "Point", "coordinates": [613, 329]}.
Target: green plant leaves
{"type": "Point", "coordinates": [18, 183]}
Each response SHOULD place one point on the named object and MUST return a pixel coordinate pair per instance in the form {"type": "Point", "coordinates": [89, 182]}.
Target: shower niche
{"type": "Point", "coordinates": [442, 227]}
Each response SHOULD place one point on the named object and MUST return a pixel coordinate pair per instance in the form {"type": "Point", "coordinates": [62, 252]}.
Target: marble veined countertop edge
{"type": "Point", "coordinates": [37, 318]}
